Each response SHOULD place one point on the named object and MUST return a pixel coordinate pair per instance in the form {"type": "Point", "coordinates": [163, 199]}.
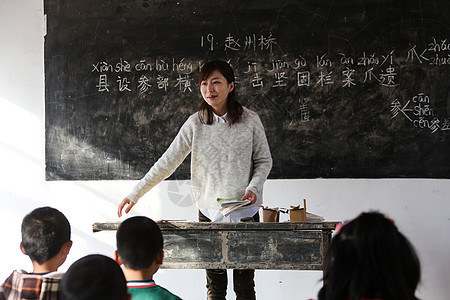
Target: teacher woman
{"type": "Point", "coordinates": [230, 158]}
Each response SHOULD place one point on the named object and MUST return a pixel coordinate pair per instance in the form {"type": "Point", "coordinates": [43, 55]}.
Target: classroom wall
{"type": "Point", "coordinates": [419, 207]}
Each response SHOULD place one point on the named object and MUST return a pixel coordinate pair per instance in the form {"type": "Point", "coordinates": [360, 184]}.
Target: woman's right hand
{"type": "Point", "coordinates": [123, 204]}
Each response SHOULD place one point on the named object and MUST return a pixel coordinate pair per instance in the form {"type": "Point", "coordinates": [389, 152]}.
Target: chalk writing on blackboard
{"type": "Point", "coordinates": [235, 43]}
{"type": "Point", "coordinates": [178, 75]}
{"type": "Point", "coordinates": [301, 112]}
{"type": "Point", "coordinates": [345, 74]}
{"type": "Point", "coordinates": [420, 113]}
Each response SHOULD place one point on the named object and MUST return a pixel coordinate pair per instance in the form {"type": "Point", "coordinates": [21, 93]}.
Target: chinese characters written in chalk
{"type": "Point", "coordinates": [320, 71]}
{"type": "Point", "coordinates": [183, 69]}
{"type": "Point", "coordinates": [419, 112]}
{"type": "Point", "coordinates": [232, 42]}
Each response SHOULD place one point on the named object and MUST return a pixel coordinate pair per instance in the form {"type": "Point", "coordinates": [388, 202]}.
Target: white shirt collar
{"type": "Point", "coordinates": [220, 119]}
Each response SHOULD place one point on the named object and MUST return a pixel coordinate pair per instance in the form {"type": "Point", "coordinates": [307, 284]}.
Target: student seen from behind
{"type": "Point", "coordinates": [140, 250]}
{"type": "Point", "coordinates": [94, 277]}
{"type": "Point", "coordinates": [370, 259]}
{"type": "Point", "coordinates": [46, 240]}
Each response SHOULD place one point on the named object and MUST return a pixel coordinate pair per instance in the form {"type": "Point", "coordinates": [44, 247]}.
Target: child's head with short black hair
{"type": "Point", "coordinates": [44, 232]}
{"type": "Point", "coordinates": [94, 277]}
{"type": "Point", "coordinates": [139, 241]}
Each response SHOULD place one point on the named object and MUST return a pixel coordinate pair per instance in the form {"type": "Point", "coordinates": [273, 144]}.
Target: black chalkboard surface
{"type": "Point", "coordinates": [345, 89]}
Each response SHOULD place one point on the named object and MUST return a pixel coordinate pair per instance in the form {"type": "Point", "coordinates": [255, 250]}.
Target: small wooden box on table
{"type": "Point", "coordinates": [245, 245]}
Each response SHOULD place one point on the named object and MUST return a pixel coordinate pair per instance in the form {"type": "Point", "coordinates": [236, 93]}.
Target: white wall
{"type": "Point", "coordinates": [421, 208]}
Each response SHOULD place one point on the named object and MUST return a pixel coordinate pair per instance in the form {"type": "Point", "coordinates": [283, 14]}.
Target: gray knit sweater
{"type": "Point", "coordinates": [225, 161]}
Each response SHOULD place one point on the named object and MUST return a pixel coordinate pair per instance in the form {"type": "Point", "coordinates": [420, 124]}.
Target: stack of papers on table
{"type": "Point", "coordinates": [228, 205]}
{"type": "Point", "coordinates": [310, 217]}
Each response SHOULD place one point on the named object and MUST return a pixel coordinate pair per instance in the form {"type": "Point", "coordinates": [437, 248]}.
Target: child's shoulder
{"type": "Point", "coordinates": [21, 283]}
{"type": "Point", "coordinates": [153, 292]}
{"type": "Point", "coordinates": [54, 275]}
{"type": "Point", "coordinates": [166, 294]}
{"type": "Point", "coordinates": [19, 273]}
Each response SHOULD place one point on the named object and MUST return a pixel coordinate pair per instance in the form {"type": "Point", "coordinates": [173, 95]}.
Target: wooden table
{"type": "Point", "coordinates": [245, 245]}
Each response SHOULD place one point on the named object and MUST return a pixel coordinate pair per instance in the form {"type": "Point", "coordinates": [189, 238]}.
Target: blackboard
{"type": "Point", "coordinates": [345, 89]}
